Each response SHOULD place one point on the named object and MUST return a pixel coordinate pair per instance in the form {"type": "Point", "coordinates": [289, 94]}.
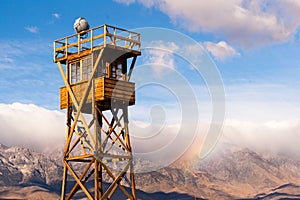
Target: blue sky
{"type": "Point", "coordinates": [29, 27]}
{"type": "Point", "coordinates": [255, 46]}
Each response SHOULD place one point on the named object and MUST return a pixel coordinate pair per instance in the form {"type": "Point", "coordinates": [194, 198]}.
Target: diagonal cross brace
{"type": "Point", "coordinates": [116, 181]}
{"type": "Point", "coordinates": [76, 186]}
{"type": "Point", "coordinates": [112, 130]}
{"type": "Point", "coordinates": [114, 178]}
{"type": "Point", "coordinates": [78, 181]}
{"type": "Point", "coordinates": [78, 107]}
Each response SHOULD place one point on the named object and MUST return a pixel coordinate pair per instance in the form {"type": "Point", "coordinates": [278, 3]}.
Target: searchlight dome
{"type": "Point", "coordinates": [81, 24]}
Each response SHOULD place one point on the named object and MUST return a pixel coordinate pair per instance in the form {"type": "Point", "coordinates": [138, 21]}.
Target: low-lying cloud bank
{"type": "Point", "coordinates": [41, 129]}
{"type": "Point", "coordinates": [31, 126]}
{"type": "Point", "coordinates": [272, 136]}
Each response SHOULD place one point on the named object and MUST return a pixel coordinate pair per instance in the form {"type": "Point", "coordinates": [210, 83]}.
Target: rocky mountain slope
{"type": "Point", "coordinates": [231, 173]}
{"type": "Point", "coordinates": [21, 166]}
{"type": "Point", "coordinates": [244, 173]}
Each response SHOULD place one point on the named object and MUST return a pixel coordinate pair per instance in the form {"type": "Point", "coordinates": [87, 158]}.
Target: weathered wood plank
{"type": "Point", "coordinates": [105, 90]}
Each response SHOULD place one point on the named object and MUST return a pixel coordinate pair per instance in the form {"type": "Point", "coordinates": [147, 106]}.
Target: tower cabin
{"type": "Point", "coordinates": [79, 53]}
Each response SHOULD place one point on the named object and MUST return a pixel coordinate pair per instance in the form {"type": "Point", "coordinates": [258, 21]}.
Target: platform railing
{"type": "Point", "coordinates": [101, 36]}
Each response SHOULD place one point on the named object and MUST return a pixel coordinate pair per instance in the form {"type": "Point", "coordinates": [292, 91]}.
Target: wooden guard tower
{"type": "Point", "coordinates": [96, 67]}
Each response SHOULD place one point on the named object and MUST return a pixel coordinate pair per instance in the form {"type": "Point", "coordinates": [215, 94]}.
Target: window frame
{"type": "Point", "coordinates": [80, 70]}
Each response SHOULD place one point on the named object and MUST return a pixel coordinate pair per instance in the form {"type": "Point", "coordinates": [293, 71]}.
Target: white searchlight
{"type": "Point", "coordinates": [81, 25]}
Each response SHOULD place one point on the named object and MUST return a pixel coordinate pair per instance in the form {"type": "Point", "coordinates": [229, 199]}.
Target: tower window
{"type": "Point", "coordinates": [86, 68]}
{"type": "Point", "coordinates": [75, 72]}
{"type": "Point", "coordinates": [80, 70]}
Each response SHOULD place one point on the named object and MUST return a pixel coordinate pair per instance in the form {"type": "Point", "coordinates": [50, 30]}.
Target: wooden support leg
{"type": "Point", "coordinates": [64, 183]}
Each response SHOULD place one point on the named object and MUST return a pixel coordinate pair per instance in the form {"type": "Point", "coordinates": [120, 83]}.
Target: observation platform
{"type": "Point", "coordinates": [105, 36]}
{"type": "Point", "coordinates": [78, 53]}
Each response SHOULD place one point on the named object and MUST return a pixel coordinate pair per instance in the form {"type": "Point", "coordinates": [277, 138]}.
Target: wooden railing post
{"type": "Point", "coordinates": [54, 50]}
{"type": "Point", "coordinates": [78, 43]}
{"type": "Point", "coordinates": [139, 40]}
{"type": "Point", "coordinates": [115, 33]}
{"type": "Point", "coordinates": [104, 35]}
{"type": "Point", "coordinates": [92, 39]}
{"type": "Point", "coordinates": [130, 43]}
{"type": "Point", "coordinates": [66, 47]}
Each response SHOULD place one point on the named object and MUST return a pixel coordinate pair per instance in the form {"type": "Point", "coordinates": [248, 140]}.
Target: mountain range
{"type": "Point", "coordinates": [229, 173]}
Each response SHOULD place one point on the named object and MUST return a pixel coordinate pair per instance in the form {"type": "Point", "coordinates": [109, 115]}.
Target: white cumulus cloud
{"type": "Point", "coordinates": [127, 2]}
{"type": "Point", "coordinates": [161, 57]}
{"type": "Point", "coordinates": [220, 50]}
{"type": "Point", "coordinates": [56, 15]}
{"type": "Point", "coordinates": [32, 29]}
{"type": "Point", "coordinates": [248, 23]}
